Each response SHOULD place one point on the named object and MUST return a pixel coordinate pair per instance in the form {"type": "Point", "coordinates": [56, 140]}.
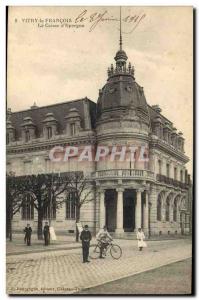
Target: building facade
{"type": "Point", "coordinates": [151, 193]}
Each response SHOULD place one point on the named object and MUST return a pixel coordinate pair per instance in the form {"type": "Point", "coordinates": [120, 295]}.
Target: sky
{"type": "Point", "coordinates": [49, 65]}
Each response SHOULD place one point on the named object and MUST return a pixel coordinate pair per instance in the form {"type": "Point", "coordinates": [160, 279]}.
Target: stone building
{"type": "Point", "coordinates": [150, 193]}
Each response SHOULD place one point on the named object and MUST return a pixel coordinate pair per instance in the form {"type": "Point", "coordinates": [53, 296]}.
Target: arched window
{"type": "Point", "coordinates": [167, 210]}
{"type": "Point", "coordinates": [183, 205]}
{"type": "Point", "coordinates": [27, 211]}
{"type": "Point", "coordinates": [70, 206]}
{"type": "Point", "coordinates": [175, 210]}
{"type": "Point", "coordinates": [159, 209]}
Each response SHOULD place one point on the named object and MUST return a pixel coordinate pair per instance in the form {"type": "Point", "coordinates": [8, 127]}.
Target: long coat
{"type": "Point", "coordinates": [28, 231]}
{"type": "Point", "coordinates": [140, 238]}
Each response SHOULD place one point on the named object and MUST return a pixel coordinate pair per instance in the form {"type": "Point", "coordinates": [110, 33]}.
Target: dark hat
{"type": "Point", "coordinates": [86, 226]}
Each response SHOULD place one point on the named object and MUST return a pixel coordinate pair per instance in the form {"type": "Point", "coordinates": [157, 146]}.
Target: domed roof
{"type": "Point", "coordinates": [121, 92]}
{"type": "Point", "coordinates": [121, 55]}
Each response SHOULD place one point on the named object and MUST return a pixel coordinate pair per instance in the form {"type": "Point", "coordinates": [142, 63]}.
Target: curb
{"type": "Point", "coordinates": [132, 274]}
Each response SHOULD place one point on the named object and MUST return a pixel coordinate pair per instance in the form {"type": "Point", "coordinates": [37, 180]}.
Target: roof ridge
{"type": "Point", "coordinates": [50, 105]}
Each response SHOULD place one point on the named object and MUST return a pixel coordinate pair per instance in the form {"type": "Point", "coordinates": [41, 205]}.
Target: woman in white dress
{"type": "Point", "coordinates": [140, 238]}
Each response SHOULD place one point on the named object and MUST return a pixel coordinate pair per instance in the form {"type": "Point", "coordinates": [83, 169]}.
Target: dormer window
{"type": "Point", "coordinates": [50, 126]}
{"type": "Point", "coordinates": [27, 135]}
{"type": "Point", "coordinates": [73, 122]}
{"type": "Point", "coordinates": [49, 132]}
{"type": "Point", "coordinates": [28, 129]}
{"type": "Point", "coordinates": [9, 129]}
{"type": "Point", "coordinates": [72, 129]}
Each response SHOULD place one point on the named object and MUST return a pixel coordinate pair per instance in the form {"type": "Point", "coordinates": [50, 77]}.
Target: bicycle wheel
{"type": "Point", "coordinates": [95, 252]}
{"type": "Point", "coordinates": [116, 251]}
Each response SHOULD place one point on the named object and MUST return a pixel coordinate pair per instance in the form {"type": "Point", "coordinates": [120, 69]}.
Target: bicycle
{"type": "Point", "coordinates": [115, 250]}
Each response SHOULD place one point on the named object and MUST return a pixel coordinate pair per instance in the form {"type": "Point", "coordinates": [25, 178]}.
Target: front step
{"type": "Point", "coordinates": [133, 236]}
{"type": "Point", "coordinates": [124, 235]}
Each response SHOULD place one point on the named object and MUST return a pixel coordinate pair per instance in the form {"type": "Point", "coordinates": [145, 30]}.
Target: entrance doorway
{"type": "Point", "coordinates": [111, 209]}
{"type": "Point", "coordinates": [129, 210]}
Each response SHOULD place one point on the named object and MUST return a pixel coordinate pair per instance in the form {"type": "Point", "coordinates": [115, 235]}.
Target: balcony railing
{"type": "Point", "coordinates": [124, 173]}
{"type": "Point", "coordinates": [171, 181]}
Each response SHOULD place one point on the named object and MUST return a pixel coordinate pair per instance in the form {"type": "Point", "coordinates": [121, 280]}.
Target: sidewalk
{"type": "Point", "coordinates": [17, 246]}
{"type": "Point", "coordinates": [62, 272]}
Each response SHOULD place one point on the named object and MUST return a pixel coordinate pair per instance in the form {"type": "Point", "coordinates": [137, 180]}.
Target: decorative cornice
{"type": "Point", "coordinates": [108, 136]}
{"type": "Point", "coordinates": [171, 151]}
{"type": "Point", "coordinates": [48, 144]}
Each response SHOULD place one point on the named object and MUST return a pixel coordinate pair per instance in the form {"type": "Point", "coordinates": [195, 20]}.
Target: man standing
{"type": "Point", "coordinates": [104, 238]}
{"type": "Point", "coordinates": [28, 232]}
{"type": "Point", "coordinates": [85, 237]}
{"type": "Point", "coordinates": [46, 233]}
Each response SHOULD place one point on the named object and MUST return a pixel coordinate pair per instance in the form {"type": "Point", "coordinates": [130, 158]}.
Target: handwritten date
{"type": "Point", "coordinates": [97, 18]}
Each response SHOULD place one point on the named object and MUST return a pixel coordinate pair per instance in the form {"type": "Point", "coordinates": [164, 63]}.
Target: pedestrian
{"type": "Point", "coordinates": [104, 239]}
{"type": "Point", "coordinates": [46, 233]}
{"type": "Point", "coordinates": [28, 232]}
{"type": "Point", "coordinates": [140, 238]}
{"type": "Point", "coordinates": [85, 237]}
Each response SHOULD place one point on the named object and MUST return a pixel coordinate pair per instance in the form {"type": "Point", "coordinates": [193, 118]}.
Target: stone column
{"type": "Point", "coordinates": [138, 209]}
{"type": "Point", "coordinates": [119, 224]}
{"type": "Point", "coordinates": [102, 209]}
{"type": "Point", "coordinates": [153, 229]}
{"type": "Point", "coordinates": [146, 213]}
{"type": "Point", "coordinates": [171, 210]}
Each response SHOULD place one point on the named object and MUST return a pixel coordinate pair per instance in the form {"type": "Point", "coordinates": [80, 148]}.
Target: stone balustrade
{"type": "Point", "coordinates": [171, 181]}
{"type": "Point", "coordinates": [124, 173]}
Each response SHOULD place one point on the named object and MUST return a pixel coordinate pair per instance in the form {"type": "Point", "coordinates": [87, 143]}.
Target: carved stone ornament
{"type": "Point", "coordinates": [112, 90]}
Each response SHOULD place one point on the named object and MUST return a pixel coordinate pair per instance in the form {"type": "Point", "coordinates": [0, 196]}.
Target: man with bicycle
{"type": "Point", "coordinates": [104, 239]}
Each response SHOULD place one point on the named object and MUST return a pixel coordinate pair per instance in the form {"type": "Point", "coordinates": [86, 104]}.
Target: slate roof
{"type": "Point", "coordinates": [60, 110]}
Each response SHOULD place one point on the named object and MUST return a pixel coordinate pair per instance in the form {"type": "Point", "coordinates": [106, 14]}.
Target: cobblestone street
{"type": "Point", "coordinates": [62, 271]}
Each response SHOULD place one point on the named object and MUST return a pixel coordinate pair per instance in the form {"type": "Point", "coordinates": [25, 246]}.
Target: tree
{"type": "Point", "coordinates": [48, 190]}
{"type": "Point", "coordinates": [14, 192]}
{"type": "Point", "coordinates": [80, 186]}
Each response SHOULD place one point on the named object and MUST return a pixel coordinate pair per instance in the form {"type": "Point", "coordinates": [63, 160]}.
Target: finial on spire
{"type": "Point", "coordinates": [120, 28]}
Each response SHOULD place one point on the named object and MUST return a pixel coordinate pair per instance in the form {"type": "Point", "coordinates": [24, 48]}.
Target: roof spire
{"type": "Point", "coordinates": [120, 28]}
